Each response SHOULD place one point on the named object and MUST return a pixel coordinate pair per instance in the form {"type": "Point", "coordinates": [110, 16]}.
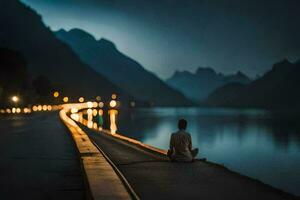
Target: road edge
{"type": "Point", "coordinates": [96, 166]}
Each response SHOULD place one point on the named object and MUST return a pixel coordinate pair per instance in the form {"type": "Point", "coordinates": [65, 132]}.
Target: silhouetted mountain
{"type": "Point", "coordinates": [14, 79]}
{"type": "Point", "coordinates": [105, 58]}
{"type": "Point", "coordinates": [22, 30]}
{"type": "Point", "coordinates": [278, 88]}
{"type": "Point", "coordinates": [199, 85]}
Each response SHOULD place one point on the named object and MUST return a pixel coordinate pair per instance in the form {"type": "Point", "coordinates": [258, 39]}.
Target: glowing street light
{"type": "Point", "coordinates": [113, 96]}
{"type": "Point", "coordinates": [40, 107]}
{"type": "Point", "coordinates": [98, 98]}
{"type": "Point", "coordinates": [34, 108]}
{"type": "Point", "coordinates": [56, 94]}
{"type": "Point", "coordinates": [101, 104]}
{"type": "Point", "coordinates": [15, 99]}
{"type": "Point", "coordinates": [49, 107]}
{"type": "Point", "coordinates": [81, 99]}
{"type": "Point", "coordinates": [112, 116]}
{"type": "Point", "coordinates": [113, 103]}
{"type": "Point", "coordinates": [66, 99]}
{"type": "Point", "coordinates": [45, 107]}
{"type": "Point", "coordinates": [89, 104]}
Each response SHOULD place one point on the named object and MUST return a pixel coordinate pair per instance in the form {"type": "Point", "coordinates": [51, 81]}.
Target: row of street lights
{"type": "Point", "coordinates": [15, 99]}
{"type": "Point", "coordinates": [81, 99]}
{"type": "Point", "coordinates": [35, 108]}
{"type": "Point", "coordinates": [94, 111]}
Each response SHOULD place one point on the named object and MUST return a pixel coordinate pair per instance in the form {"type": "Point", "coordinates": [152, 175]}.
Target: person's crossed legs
{"type": "Point", "coordinates": [194, 153]}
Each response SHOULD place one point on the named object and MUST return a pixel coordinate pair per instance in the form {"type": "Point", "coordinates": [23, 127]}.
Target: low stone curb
{"type": "Point", "coordinates": [102, 180]}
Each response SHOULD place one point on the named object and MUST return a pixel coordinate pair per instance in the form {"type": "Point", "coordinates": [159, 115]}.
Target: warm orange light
{"type": "Point", "coordinates": [54, 107]}
{"type": "Point", "coordinates": [89, 111]}
{"type": "Point", "coordinates": [89, 104]}
{"type": "Point", "coordinates": [113, 125]}
{"type": "Point", "coordinates": [95, 125]}
{"type": "Point", "coordinates": [113, 96]}
{"type": "Point", "coordinates": [74, 110]}
{"type": "Point", "coordinates": [95, 104]}
{"type": "Point", "coordinates": [98, 98]}
{"type": "Point", "coordinates": [15, 99]}
{"type": "Point", "coordinates": [95, 112]}
{"type": "Point", "coordinates": [81, 99]}
{"type": "Point", "coordinates": [56, 94]}
{"type": "Point", "coordinates": [90, 114]}
{"type": "Point", "coordinates": [2, 111]}
{"type": "Point", "coordinates": [8, 110]}
{"type": "Point", "coordinates": [13, 110]}
{"type": "Point", "coordinates": [112, 103]}
{"type": "Point", "coordinates": [49, 107]}
{"type": "Point", "coordinates": [45, 107]}
{"type": "Point", "coordinates": [75, 116]}
{"type": "Point", "coordinates": [66, 99]}
{"type": "Point", "coordinates": [18, 110]}
{"type": "Point", "coordinates": [90, 124]}
{"type": "Point", "coordinates": [101, 104]}
{"type": "Point", "coordinates": [35, 108]}
{"type": "Point", "coordinates": [40, 107]}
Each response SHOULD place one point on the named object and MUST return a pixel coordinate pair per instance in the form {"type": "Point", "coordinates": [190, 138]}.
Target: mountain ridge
{"type": "Point", "coordinates": [203, 82]}
{"type": "Point", "coordinates": [122, 70]}
{"type": "Point", "coordinates": [24, 31]}
{"type": "Point", "coordinates": [277, 88]}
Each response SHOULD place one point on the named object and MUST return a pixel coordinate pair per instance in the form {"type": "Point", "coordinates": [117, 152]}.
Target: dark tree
{"type": "Point", "coordinates": [43, 88]}
{"type": "Point", "coordinates": [13, 77]}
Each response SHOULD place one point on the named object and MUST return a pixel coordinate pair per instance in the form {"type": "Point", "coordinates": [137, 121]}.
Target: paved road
{"type": "Point", "coordinates": [153, 177]}
{"type": "Point", "coordinates": [38, 159]}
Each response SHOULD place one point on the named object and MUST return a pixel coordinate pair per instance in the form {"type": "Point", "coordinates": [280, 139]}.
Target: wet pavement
{"type": "Point", "coordinates": [38, 159]}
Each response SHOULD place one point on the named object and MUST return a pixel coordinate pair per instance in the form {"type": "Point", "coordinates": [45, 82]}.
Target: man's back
{"type": "Point", "coordinates": [181, 144]}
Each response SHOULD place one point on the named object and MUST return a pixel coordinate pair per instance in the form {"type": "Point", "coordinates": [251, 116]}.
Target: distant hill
{"type": "Point", "coordinates": [123, 71]}
{"type": "Point", "coordinates": [199, 85]}
{"type": "Point", "coordinates": [278, 88]}
{"type": "Point", "coordinates": [14, 79]}
{"type": "Point", "coordinates": [22, 30]}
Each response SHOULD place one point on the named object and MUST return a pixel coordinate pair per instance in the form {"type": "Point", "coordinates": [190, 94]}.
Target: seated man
{"type": "Point", "coordinates": [181, 144]}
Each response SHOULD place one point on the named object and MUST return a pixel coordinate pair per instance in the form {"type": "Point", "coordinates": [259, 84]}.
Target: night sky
{"type": "Point", "coordinates": [169, 35]}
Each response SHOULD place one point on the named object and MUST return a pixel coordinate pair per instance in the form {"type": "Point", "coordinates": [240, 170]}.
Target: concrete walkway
{"type": "Point", "coordinates": [38, 159]}
{"type": "Point", "coordinates": [102, 180]}
{"type": "Point", "coordinates": [153, 177]}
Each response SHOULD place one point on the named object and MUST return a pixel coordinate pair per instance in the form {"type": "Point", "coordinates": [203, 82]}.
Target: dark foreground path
{"type": "Point", "coordinates": [153, 177]}
{"type": "Point", "coordinates": [38, 159]}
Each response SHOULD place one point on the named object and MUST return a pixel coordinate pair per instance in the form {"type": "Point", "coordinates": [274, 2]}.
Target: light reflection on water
{"type": "Point", "coordinates": [253, 142]}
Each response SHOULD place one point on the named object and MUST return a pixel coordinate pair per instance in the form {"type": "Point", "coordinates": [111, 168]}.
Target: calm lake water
{"type": "Point", "coordinates": [256, 143]}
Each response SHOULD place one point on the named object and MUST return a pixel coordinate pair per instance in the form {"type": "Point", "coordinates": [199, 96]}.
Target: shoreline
{"type": "Point", "coordinates": [137, 147]}
{"type": "Point", "coordinates": [159, 151]}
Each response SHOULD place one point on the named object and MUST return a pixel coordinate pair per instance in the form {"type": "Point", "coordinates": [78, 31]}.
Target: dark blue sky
{"type": "Point", "coordinates": [166, 35]}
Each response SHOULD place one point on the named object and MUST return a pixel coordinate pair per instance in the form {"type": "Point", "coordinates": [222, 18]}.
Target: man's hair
{"type": "Point", "coordinates": [182, 123]}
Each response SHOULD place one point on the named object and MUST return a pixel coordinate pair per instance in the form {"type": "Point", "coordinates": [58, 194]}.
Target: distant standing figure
{"type": "Point", "coordinates": [181, 144]}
